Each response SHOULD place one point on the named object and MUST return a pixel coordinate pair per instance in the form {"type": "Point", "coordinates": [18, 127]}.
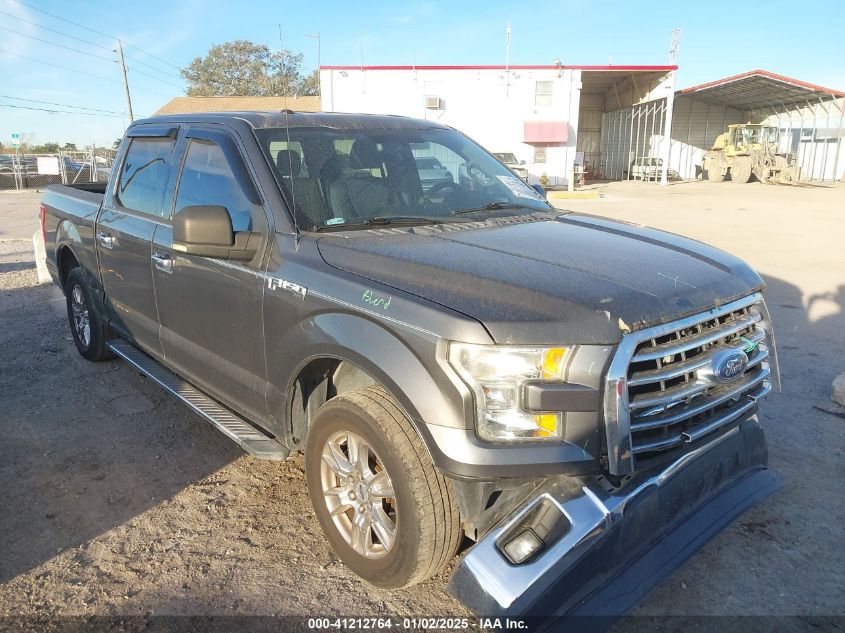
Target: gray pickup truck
{"type": "Point", "coordinates": [571, 400]}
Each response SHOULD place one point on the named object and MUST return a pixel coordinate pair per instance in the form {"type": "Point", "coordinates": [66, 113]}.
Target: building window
{"type": "Point", "coordinates": [543, 93]}
{"type": "Point", "coordinates": [540, 153]}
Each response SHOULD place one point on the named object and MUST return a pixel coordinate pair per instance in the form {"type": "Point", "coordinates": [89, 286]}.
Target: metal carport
{"type": "Point", "coordinates": [810, 119]}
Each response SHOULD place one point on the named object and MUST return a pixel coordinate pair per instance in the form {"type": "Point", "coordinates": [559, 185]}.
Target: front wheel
{"type": "Point", "coordinates": [741, 170]}
{"type": "Point", "coordinates": [385, 511]}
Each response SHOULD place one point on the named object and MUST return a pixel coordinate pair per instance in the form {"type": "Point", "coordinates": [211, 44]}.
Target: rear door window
{"type": "Point", "coordinates": [144, 175]}
{"type": "Point", "coordinates": [207, 179]}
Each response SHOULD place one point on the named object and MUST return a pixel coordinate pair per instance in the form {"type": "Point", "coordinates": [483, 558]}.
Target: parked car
{"type": "Point", "coordinates": [648, 168]}
{"type": "Point", "coordinates": [509, 160]}
{"type": "Point", "coordinates": [575, 396]}
{"type": "Point", "coordinates": [432, 172]}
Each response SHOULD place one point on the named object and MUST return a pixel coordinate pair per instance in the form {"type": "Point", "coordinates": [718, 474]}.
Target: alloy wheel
{"type": "Point", "coordinates": [359, 494]}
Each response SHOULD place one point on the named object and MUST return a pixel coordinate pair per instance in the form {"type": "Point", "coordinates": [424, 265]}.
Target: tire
{"type": "Point", "coordinates": [422, 510]}
{"type": "Point", "coordinates": [741, 170]}
{"type": "Point", "coordinates": [714, 172]}
{"type": "Point", "coordinates": [87, 327]}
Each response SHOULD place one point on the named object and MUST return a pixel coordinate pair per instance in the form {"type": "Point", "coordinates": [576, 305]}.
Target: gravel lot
{"type": "Point", "coordinates": [118, 501]}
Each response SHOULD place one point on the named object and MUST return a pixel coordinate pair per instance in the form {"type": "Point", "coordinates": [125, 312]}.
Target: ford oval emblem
{"type": "Point", "coordinates": [729, 365]}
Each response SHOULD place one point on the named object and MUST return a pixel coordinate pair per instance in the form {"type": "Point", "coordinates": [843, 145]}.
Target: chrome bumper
{"type": "Point", "coordinates": [618, 544]}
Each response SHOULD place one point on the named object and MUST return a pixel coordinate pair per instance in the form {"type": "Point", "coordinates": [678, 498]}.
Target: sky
{"type": "Point", "coordinates": [718, 39]}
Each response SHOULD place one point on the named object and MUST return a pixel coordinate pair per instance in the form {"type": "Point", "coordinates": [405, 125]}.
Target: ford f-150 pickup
{"type": "Point", "coordinates": [575, 398]}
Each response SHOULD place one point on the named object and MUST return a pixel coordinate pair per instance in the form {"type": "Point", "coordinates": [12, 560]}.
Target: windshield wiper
{"type": "Point", "coordinates": [401, 220]}
{"type": "Point", "coordinates": [491, 206]}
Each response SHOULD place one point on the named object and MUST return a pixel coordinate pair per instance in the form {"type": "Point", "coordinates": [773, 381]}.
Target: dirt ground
{"type": "Point", "coordinates": [116, 500]}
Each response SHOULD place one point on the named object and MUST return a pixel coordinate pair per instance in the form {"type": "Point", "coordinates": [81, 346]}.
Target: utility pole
{"type": "Point", "coordinates": [125, 81]}
{"type": "Point", "coordinates": [670, 107]}
{"type": "Point", "coordinates": [316, 36]}
{"type": "Point", "coordinates": [507, 59]}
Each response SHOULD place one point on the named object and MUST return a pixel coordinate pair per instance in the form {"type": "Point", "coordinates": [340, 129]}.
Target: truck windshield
{"type": "Point", "coordinates": [336, 177]}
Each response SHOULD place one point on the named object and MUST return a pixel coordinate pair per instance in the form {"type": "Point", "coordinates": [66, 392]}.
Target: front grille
{"type": "Point", "coordinates": [670, 397]}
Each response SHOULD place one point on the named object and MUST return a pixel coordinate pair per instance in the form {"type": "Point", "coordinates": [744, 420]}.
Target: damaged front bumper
{"type": "Point", "coordinates": [603, 549]}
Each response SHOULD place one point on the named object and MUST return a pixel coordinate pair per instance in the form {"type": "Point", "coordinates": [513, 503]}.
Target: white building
{"type": "Point", "coordinates": [548, 116]}
{"type": "Point", "coordinates": [598, 118]}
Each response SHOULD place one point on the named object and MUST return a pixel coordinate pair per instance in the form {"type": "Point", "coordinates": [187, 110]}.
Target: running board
{"type": "Point", "coordinates": [235, 428]}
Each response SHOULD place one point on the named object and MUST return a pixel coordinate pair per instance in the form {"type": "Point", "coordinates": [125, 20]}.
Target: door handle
{"type": "Point", "coordinates": [163, 262]}
{"type": "Point", "coordinates": [105, 240]}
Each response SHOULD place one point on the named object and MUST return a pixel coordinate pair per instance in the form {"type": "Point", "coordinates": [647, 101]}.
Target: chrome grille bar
{"type": "Point", "coordinates": [674, 370]}
{"type": "Point", "coordinates": [661, 392]}
{"type": "Point", "coordinates": [708, 336]}
{"type": "Point", "coordinates": [721, 397]}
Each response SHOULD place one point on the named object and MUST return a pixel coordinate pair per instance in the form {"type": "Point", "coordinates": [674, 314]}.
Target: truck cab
{"type": "Point", "coordinates": [456, 359]}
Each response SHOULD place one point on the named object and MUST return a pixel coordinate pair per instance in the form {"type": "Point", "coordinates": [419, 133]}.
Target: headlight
{"type": "Point", "coordinates": [496, 375]}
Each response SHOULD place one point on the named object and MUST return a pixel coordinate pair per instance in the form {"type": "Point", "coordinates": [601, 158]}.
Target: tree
{"type": "Point", "coordinates": [70, 147]}
{"type": "Point", "coordinates": [310, 85]}
{"type": "Point", "coordinates": [243, 68]}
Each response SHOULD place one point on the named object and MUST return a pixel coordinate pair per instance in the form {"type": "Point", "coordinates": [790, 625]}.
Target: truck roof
{"type": "Point", "coordinates": [337, 120]}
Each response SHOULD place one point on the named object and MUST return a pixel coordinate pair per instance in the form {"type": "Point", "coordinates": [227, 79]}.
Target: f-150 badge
{"type": "Point", "coordinates": [274, 283]}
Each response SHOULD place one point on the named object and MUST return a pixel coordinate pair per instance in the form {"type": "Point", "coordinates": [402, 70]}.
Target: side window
{"type": "Point", "coordinates": [144, 175]}
{"type": "Point", "coordinates": [207, 178]}
{"type": "Point", "coordinates": [543, 93]}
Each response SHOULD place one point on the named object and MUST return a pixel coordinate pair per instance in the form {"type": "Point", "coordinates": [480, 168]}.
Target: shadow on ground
{"type": "Point", "coordinates": [83, 446]}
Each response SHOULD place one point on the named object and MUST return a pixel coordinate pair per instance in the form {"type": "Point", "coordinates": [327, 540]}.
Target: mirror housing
{"type": "Point", "coordinates": [206, 231]}
{"type": "Point", "coordinates": [522, 162]}
{"type": "Point", "coordinates": [539, 189]}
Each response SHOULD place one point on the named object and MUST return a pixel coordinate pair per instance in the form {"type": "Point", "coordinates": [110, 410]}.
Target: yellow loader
{"type": "Point", "coordinates": [749, 149]}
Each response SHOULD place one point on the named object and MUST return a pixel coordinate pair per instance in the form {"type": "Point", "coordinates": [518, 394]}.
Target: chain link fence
{"type": "Point", "coordinates": [24, 170]}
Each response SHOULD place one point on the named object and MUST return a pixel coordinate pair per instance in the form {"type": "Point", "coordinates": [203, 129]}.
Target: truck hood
{"type": "Point", "coordinates": [558, 279]}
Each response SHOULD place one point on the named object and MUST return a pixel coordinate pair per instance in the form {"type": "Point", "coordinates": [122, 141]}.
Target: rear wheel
{"type": "Point", "coordinates": [385, 511]}
{"type": "Point", "coordinates": [88, 329]}
{"type": "Point", "coordinates": [741, 169]}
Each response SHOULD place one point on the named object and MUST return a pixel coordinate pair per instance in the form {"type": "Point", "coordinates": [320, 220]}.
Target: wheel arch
{"type": "Point", "coordinates": [342, 352]}
{"type": "Point", "coordinates": [66, 261]}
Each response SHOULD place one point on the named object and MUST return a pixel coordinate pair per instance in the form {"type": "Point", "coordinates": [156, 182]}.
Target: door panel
{"type": "Point", "coordinates": [123, 244]}
{"type": "Point", "coordinates": [124, 233]}
{"type": "Point", "coordinates": [211, 324]}
{"type": "Point", "coordinates": [209, 310]}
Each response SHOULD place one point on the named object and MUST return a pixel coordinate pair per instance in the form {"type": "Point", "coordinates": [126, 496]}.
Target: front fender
{"type": "Point", "coordinates": [405, 364]}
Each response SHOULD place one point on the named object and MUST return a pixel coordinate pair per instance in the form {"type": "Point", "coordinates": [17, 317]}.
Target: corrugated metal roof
{"type": "Point", "coordinates": [609, 68]}
{"type": "Point", "coordinates": [759, 89]}
{"type": "Point", "coordinates": [182, 105]}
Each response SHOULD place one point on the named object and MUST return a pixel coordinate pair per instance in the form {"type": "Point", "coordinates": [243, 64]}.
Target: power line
{"type": "Point", "coordinates": [149, 54]}
{"type": "Point", "coordinates": [135, 70]}
{"type": "Point", "coordinates": [63, 105]}
{"type": "Point", "coordinates": [68, 48]}
{"type": "Point", "coordinates": [53, 111]}
{"type": "Point", "coordinates": [45, 28]}
{"type": "Point", "coordinates": [163, 72]}
{"type": "Point", "coordinates": [84, 41]}
{"type": "Point", "coordinates": [81, 72]}
{"type": "Point", "coordinates": [88, 28]}
{"type": "Point", "coordinates": [73, 70]}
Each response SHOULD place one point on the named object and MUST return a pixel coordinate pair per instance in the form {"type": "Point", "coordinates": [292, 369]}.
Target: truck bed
{"type": "Point", "coordinates": [78, 203]}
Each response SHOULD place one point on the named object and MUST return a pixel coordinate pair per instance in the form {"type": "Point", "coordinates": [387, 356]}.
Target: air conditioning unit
{"type": "Point", "coordinates": [432, 103]}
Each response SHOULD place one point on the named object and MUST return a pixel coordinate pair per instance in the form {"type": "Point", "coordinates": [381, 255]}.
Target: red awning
{"type": "Point", "coordinates": [545, 132]}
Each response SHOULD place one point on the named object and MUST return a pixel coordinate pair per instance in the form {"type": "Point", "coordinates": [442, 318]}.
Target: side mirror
{"type": "Point", "coordinates": [522, 162]}
{"type": "Point", "coordinates": [539, 189]}
{"type": "Point", "coordinates": [206, 231]}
